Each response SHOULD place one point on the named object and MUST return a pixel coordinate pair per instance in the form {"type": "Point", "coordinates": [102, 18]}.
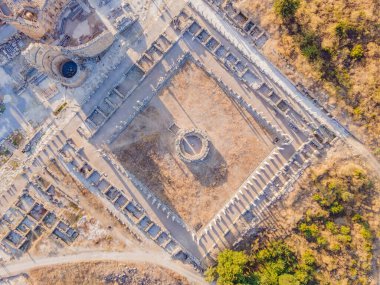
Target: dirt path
{"type": "Point", "coordinates": [161, 259]}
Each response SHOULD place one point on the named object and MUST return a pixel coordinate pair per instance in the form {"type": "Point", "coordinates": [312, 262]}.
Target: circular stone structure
{"type": "Point", "coordinates": [69, 69]}
{"type": "Point", "coordinates": [192, 145]}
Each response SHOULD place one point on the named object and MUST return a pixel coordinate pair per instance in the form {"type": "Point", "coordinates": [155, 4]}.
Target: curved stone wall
{"type": "Point", "coordinates": [192, 145]}
{"type": "Point", "coordinates": [93, 47]}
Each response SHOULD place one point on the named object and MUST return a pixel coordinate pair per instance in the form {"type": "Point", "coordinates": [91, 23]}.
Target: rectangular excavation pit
{"type": "Point", "coordinates": [14, 238]}
{"type": "Point", "coordinates": [96, 118]}
{"type": "Point", "coordinates": [112, 193]}
{"type": "Point", "coordinates": [121, 201]}
{"type": "Point", "coordinates": [194, 28]}
{"type": "Point", "coordinates": [132, 209]}
{"type": "Point", "coordinates": [250, 78]}
{"type": "Point", "coordinates": [115, 98]}
{"type": "Point", "coordinates": [240, 19]}
{"type": "Point", "coordinates": [274, 97]}
{"type": "Point", "coordinates": [25, 202]}
{"type": "Point", "coordinates": [264, 89]}
{"type": "Point", "coordinates": [261, 40]}
{"type": "Point", "coordinates": [49, 220]}
{"type": "Point", "coordinates": [131, 80]}
{"type": "Point", "coordinates": [212, 44]}
{"type": "Point", "coordinates": [162, 238]}
{"type": "Point", "coordinates": [154, 230]}
{"type": "Point", "coordinates": [240, 67]}
{"type": "Point", "coordinates": [26, 225]}
{"type": "Point", "coordinates": [221, 52]}
{"type": "Point", "coordinates": [38, 212]}
{"type": "Point", "coordinates": [256, 31]}
{"type": "Point", "coordinates": [106, 108]}
{"type": "Point", "coordinates": [154, 53]}
{"type": "Point", "coordinates": [203, 36]}
{"type": "Point", "coordinates": [145, 63]}
{"type": "Point", "coordinates": [103, 185]}
{"type": "Point", "coordinates": [94, 178]}
{"type": "Point", "coordinates": [144, 223]}
{"type": "Point", "coordinates": [163, 43]}
{"type": "Point", "coordinates": [249, 26]}
{"type": "Point", "coordinates": [170, 247]}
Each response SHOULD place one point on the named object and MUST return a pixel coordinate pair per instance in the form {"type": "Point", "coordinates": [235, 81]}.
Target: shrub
{"type": "Point", "coordinates": [345, 230]}
{"type": "Point", "coordinates": [357, 52]}
{"type": "Point", "coordinates": [309, 259]}
{"type": "Point", "coordinates": [335, 247]}
{"type": "Point", "coordinates": [366, 233]}
{"type": "Point", "coordinates": [357, 218]}
{"type": "Point", "coordinates": [288, 279]}
{"type": "Point", "coordinates": [310, 232]}
{"type": "Point", "coordinates": [336, 208]}
{"type": "Point", "coordinates": [286, 8]}
{"type": "Point", "coordinates": [344, 29]}
{"type": "Point", "coordinates": [322, 242]}
{"type": "Point", "coordinates": [345, 239]}
{"type": "Point", "coordinates": [331, 226]}
{"type": "Point", "coordinates": [309, 46]}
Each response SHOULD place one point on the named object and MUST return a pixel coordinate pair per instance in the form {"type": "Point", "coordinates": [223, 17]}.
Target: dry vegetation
{"type": "Point", "coordinates": [331, 46]}
{"type": "Point", "coordinates": [193, 100]}
{"type": "Point", "coordinates": [332, 218]}
{"type": "Point", "coordinates": [93, 273]}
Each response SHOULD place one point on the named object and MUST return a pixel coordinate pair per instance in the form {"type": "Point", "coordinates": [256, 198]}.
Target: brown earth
{"type": "Point", "coordinates": [93, 273]}
{"type": "Point", "coordinates": [194, 190]}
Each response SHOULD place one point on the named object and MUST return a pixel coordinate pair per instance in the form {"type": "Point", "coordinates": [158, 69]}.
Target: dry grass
{"type": "Point", "coordinates": [356, 90]}
{"type": "Point", "coordinates": [93, 273]}
{"type": "Point", "coordinates": [352, 261]}
{"type": "Point", "coordinates": [194, 190]}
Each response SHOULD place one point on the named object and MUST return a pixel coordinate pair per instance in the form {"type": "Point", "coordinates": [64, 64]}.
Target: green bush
{"type": "Point", "coordinates": [309, 46]}
{"type": "Point", "coordinates": [331, 226]}
{"type": "Point", "coordinates": [310, 232]}
{"type": "Point", "coordinates": [336, 208]}
{"type": "Point", "coordinates": [345, 230]}
{"type": "Point", "coordinates": [357, 52]}
{"type": "Point", "coordinates": [345, 239]}
{"type": "Point", "coordinates": [309, 259]}
{"type": "Point", "coordinates": [288, 279]}
{"type": "Point", "coordinates": [322, 242]}
{"type": "Point", "coordinates": [286, 8]}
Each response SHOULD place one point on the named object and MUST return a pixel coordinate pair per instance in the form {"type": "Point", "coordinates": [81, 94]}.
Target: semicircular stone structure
{"type": "Point", "coordinates": [55, 64]}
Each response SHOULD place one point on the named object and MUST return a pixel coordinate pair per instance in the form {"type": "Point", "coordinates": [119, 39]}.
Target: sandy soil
{"type": "Point", "coordinates": [93, 273]}
{"type": "Point", "coordinates": [238, 145]}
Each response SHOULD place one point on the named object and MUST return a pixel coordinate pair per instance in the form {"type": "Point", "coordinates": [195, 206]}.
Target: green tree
{"type": "Point", "coordinates": [286, 8]}
{"type": "Point", "coordinates": [230, 267]}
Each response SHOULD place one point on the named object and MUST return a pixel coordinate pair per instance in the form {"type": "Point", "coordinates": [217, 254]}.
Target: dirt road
{"type": "Point", "coordinates": [157, 258]}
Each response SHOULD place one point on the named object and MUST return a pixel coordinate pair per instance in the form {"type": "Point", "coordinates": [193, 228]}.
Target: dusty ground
{"type": "Point", "coordinates": [97, 229]}
{"type": "Point", "coordinates": [193, 100]}
{"type": "Point", "coordinates": [92, 273]}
